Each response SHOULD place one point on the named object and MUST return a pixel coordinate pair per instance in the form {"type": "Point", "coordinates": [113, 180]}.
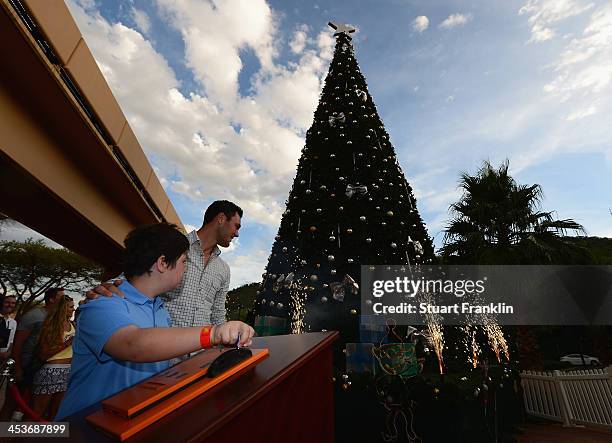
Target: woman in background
{"type": "Point", "coordinates": [55, 349]}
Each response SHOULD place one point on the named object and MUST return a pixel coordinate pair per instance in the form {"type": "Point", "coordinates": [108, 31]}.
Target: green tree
{"type": "Point", "coordinates": [29, 268]}
{"type": "Point", "coordinates": [498, 221]}
{"type": "Point", "coordinates": [239, 301]}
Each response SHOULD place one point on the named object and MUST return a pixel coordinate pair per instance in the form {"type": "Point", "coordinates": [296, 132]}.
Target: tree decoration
{"type": "Point", "coordinates": [356, 190]}
{"type": "Point", "coordinates": [362, 95]}
{"type": "Point", "coordinates": [336, 119]}
{"type": "Point", "coordinates": [331, 222]}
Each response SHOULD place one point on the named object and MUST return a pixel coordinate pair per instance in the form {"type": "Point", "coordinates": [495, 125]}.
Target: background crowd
{"type": "Point", "coordinates": [41, 345]}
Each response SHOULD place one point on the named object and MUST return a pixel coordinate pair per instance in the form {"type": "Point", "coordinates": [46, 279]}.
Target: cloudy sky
{"type": "Point", "coordinates": [221, 93]}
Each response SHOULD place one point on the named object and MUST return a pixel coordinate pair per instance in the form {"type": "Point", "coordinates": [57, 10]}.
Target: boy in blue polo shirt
{"type": "Point", "coordinates": [121, 341]}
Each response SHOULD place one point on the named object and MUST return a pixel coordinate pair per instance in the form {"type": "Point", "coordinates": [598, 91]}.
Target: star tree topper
{"type": "Point", "coordinates": [341, 28]}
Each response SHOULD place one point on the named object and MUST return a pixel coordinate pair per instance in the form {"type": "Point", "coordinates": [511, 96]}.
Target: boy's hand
{"type": "Point", "coordinates": [106, 289]}
{"type": "Point", "coordinates": [227, 334]}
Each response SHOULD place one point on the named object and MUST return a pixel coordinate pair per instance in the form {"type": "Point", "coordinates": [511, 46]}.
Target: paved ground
{"type": "Point", "coordinates": [547, 432]}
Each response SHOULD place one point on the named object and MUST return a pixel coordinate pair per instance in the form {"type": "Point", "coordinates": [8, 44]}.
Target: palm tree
{"type": "Point", "coordinates": [498, 221]}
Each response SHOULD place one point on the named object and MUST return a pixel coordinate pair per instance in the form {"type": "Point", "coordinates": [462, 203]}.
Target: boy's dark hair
{"type": "Point", "coordinates": [145, 244]}
{"type": "Point", "coordinates": [51, 292]}
{"type": "Point", "coordinates": [221, 206]}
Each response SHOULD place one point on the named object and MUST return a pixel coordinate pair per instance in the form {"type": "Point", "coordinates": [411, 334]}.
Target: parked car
{"type": "Point", "coordinates": [577, 359]}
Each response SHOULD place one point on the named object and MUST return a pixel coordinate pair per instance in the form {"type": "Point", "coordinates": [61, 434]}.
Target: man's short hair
{"type": "Point", "coordinates": [51, 293]}
{"type": "Point", "coordinates": [145, 244]}
{"type": "Point", "coordinates": [221, 206]}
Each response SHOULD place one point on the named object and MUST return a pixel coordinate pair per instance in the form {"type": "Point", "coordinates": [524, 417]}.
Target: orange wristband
{"type": "Point", "coordinates": [205, 337]}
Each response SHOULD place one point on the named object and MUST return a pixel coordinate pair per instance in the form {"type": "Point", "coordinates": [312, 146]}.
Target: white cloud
{"type": "Point", "coordinates": [545, 13]}
{"type": "Point", "coordinates": [455, 20]}
{"type": "Point", "coordinates": [584, 68]}
{"type": "Point", "coordinates": [420, 24]}
{"type": "Point", "coordinates": [298, 42]}
{"type": "Point", "coordinates": [87, 4]}
{"type": "Point", "coordinates": [581, 113]}
{"type": "Point", "coordinates": [541, 34]}
{"type": "Point", "coordinates": [214, 34]}
{"type": "Point", "coordinates": [325, 43]}
{"type": "Point", "coordinates": [246, 268]}
{"type": "Point", "coordinates": [218, 144]}
{"type": "Point", "coordinates": [142, 20]}
{"type": "Point", "coordinates": [12, 230]}
{"type": "Point", "coordinates": [534, 128]}
{"type": "Point", "coordinates": [583, 71]}
{"type": "Point", "coordinates": [233, 246]}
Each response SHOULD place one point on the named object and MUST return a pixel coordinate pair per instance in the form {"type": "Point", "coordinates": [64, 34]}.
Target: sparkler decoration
{"type": "Point", "coordinates": [497, 341]}
{"type": "Point", "coordinates": [472, 345]}
{"type": "Point", "coordinates": [435, 333]}
{"type": "Point", "coordinates": [298, 310]}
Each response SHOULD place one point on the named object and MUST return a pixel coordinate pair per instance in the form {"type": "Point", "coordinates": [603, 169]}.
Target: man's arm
{"type": "Point", "coordinates": [20, 338]}
{"type": "Point", "coordinates": [218, 312]}
{"type": "Point", "coordinates": [143, 345]}
{"type": "Point", "coordinates": [11, 341]}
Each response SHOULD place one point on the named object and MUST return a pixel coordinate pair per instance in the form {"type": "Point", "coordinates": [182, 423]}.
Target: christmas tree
{"type": "Point", "coordinates": [350, 205]}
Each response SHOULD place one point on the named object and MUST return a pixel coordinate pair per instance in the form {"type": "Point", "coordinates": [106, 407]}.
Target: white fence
{"type": "Point", "coordinates": [582, 397]}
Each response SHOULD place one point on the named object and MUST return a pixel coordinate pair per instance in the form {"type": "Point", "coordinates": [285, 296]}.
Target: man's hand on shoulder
{"type": "Point", "coordinates": [106, 289]}
{"type": "Point", "coordinates": [227, 334]}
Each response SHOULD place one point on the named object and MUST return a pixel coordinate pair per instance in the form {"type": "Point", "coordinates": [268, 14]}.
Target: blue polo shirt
{"type": "Point", "coordinates": [95, 375]}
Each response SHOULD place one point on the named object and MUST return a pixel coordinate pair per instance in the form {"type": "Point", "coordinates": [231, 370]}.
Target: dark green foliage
{"type": "Point", "coordinates": [240, 301]}
{"type": "Point", "coordinates": [600, 248]}
{"type": "Point", "coordinates": [498, 221]}
{"type": "Point", "coordinates": [350, 205]}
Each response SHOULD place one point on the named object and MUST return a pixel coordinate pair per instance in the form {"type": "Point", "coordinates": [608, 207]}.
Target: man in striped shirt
{"type": "Point", "coordinates": [200, 298]}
